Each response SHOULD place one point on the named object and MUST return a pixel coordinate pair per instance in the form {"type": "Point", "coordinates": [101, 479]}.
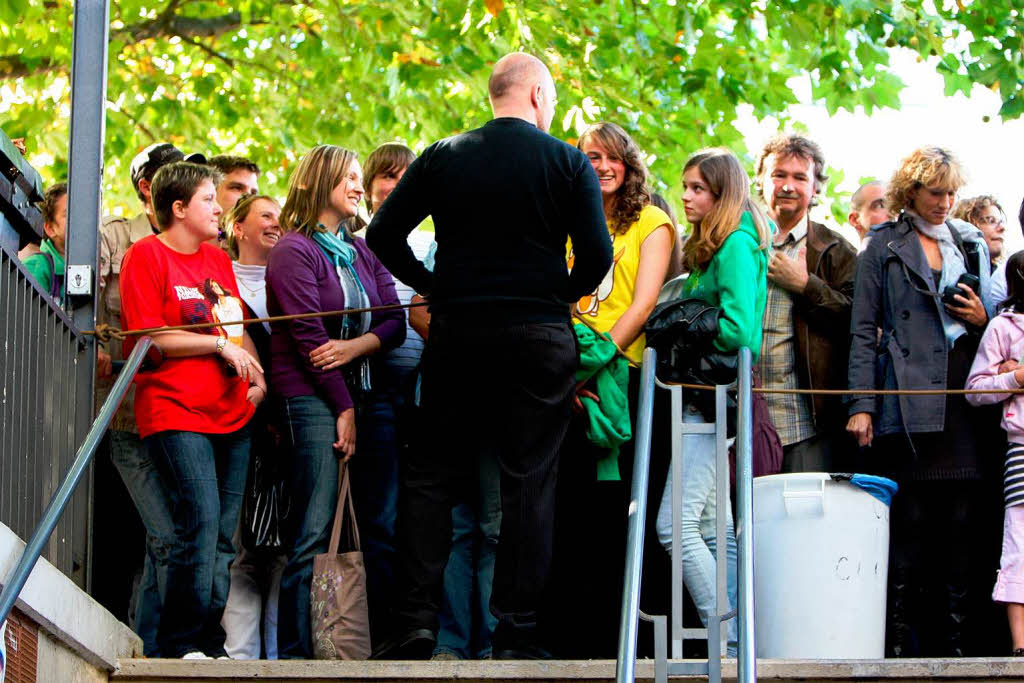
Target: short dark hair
{"type": "Point", "coordinates": [791, 144]}
{"type": "Point", "coordinates": [389, 157]}
{"type": "Point", "coordinates": [228, 164]}
{"type": "Point", "coordinates": [178, 181]}
{"type": "Point", "coordinates": [50, 198]}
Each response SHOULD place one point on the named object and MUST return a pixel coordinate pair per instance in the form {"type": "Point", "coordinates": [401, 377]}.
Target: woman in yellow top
{"type": "Point", "coordinates": [590, 524]}
{"type": "Point", "coordinates": [642, 239]}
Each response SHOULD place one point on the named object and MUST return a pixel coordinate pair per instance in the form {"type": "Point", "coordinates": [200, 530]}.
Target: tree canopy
{"type": "Point", "coordinates": [271, 78]}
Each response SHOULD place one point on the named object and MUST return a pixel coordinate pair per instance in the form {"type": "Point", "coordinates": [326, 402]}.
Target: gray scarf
{"type": "Point", "coordinates": [953, 266]}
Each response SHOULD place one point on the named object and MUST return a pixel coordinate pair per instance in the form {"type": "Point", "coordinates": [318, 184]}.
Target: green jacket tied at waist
{"type": "Point", "coordinates": [608, 419]}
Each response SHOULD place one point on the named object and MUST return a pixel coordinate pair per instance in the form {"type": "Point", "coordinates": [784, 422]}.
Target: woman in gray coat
{"type": "Point", "coordinates": [928, 444]}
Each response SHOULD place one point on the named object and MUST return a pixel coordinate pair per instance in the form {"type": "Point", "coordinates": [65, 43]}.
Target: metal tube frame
{"type": "Point", "coordinates": [625, 666]}
{"type": "Point", "coordinates": [744, 612]}
{"type": "Point", "coordinates": [79, 468]}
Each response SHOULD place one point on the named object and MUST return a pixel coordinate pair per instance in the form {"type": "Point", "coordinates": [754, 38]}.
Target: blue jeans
{"type": "Point", "coordinates": [374, 472]}
{"type": "Point", "coordinates": [204, 478]}
{"type": "Point", "coordinates": [465, 619]}
{"type": "Point", "coordinates": [697, 528]}
{"type": "Point", "coordinates": [311, 486]}
{"type": "Point", "coordinates": [138, 471]}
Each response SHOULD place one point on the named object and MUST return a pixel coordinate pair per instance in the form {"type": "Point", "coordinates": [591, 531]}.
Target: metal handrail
{"type": "Point", "coordinates": [55, 508]}
{"type": "Point", "coordinates": [746, 658]}
{"type": "Point", "coordinates": [625, 668]}
{"type": "Point", "coordinates": [625, 665]}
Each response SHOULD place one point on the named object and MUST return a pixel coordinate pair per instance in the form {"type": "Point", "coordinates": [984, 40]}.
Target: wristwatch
{"type": "Point", "coordinates": [221, 343]}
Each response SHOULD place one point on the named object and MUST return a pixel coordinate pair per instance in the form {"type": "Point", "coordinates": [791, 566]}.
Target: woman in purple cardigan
{"type": "Point", "coordinates": [323, 374]}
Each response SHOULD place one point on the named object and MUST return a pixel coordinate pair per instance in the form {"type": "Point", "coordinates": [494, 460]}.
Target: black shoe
{"type": "Point", "coordinates": [417, 644]}
{"type": "Point", "coordinates": [520, 651]}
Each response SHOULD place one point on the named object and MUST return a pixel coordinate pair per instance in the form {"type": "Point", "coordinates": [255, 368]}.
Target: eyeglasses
{"type": "Point", "coordinates": [992, 220]}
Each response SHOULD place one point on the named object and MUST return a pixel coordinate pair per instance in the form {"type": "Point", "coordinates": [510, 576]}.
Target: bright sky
{"type": "Point", "coordinates": [872, 146]}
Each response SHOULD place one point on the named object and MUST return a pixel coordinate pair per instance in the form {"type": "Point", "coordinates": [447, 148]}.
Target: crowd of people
{"type": "Point", "coordinates": [489, 474]}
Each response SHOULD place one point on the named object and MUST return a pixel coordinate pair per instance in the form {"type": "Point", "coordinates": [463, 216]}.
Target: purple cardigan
{"type": "Point", "coordinates": [300, 279]}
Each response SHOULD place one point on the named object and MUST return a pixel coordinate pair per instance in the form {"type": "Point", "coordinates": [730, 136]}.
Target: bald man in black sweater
{"type": "Point", "coordinates": [500, 360]}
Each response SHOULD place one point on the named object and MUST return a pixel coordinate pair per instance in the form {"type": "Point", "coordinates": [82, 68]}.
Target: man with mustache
{"type": "Point", "coordinates": [807, 318]}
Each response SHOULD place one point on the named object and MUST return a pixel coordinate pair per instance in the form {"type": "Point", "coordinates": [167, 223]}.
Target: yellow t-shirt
{"type": "Point", "coordinates": [614, 295]}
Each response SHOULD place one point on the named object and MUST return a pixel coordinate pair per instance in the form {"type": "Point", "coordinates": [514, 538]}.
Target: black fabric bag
{"type": "Point", "coordinates": [683, 333]}
{"type": "Point", "coordinates": [263, 505]}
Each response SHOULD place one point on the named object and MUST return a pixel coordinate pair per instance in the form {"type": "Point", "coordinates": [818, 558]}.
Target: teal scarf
{"type": "Point", "coordinates": [343, 254]}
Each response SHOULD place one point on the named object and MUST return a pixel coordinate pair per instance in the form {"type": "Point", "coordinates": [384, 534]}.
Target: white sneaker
{"type": "Point", "coordinates": [224, 657]}
{"type": "Point", "coordinates": [196, 654]}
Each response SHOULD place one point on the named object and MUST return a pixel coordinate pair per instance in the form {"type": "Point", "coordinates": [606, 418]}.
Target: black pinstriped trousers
{"type": "Point", "coordinates": [504, 390]}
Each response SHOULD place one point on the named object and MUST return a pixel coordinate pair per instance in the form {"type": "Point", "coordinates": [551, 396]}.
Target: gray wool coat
{"type": "Point", "coordinates": [894, 294]}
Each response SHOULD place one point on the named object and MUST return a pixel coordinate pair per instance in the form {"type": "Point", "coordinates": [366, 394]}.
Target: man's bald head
{"type": "Point", "coordinates": [515, 71]}
{"type": "Point", "coordinates": [521, 84]}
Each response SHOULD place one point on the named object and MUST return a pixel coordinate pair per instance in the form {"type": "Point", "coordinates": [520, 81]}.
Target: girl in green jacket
{"type": "Point", "coordinates": [727, 258]}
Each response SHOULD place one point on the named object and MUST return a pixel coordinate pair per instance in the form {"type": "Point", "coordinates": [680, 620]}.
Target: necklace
{"type": "Point", "coordinates": [252, 290]}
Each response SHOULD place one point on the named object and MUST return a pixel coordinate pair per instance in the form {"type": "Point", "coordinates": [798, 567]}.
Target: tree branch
{"type": "Point", "coordinates": [166, 25]}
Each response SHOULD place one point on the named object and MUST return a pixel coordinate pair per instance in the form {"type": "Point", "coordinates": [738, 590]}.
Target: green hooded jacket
{"type": "Point", "coordinates": [608, 420]}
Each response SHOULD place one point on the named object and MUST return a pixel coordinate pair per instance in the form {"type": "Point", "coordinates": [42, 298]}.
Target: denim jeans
{"type": "Point", "coordinates": [204, 478]}
{"type": "Point", "coordinates": [374, 472]}
{"type": "Point", "coordinates": [311, 486]}
{"type": "Point", "coordinates": [466, 622]}
{"type": "Point", "coordinates": [697, 528]}
{"type": "Point", "coordinates": [138, 471]}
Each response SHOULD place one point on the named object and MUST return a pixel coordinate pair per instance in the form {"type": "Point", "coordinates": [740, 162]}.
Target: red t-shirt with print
{"type": "Point", "coordinates": [162, 287]}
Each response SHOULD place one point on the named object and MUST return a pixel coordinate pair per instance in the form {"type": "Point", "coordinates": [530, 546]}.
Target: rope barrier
{"type": "Point", "coordinates": [105, 333]}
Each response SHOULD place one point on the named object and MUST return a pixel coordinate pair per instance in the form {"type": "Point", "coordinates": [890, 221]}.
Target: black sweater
{"type": "Point", "coordinates": [504, 198]}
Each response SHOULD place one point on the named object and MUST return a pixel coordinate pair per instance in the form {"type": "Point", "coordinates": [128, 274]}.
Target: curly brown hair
{"type": "Point", "coordinates": [925, 167]}
{"type": "Point", "coordinates": [970, 209]}
{"type": "Point", "coordinates": [633, 195]}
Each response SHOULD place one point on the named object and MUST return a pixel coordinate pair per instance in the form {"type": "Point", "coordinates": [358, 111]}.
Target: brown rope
{"type": "Point", "coordinates": [105, 333]}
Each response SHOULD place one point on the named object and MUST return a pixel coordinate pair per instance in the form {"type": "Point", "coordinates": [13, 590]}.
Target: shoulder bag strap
{"type": "Point", "coordinates": [344, 504]}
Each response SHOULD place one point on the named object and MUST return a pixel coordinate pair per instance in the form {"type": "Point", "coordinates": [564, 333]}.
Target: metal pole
{"type": "Point", "coordinates": [625, 667]}
{"type": "Point", "coordinates": [85, 177]}
{"type": "Point", "coordinates": [85, 159]}
{"type": "Point", "coordinates": [746, 662]}
{"type": "Point", "coordinates": [55, 509]}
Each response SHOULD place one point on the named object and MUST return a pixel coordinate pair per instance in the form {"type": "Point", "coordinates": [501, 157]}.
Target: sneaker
{"type": "Point", "coordinates": [224, 657]}
{"type": "Point", "coordinates": [445, 656]}
{"type": "Point", "coordinates": [196, 654]}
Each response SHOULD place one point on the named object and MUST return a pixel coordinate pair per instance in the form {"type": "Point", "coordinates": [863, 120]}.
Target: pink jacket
{"type": "Point", "coordinates": [1003, 340]}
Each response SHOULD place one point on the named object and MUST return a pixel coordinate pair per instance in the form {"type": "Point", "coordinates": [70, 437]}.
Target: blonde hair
{"type": "Point", "coordinates": [238, 215]}
{"type": "Point", "coordinates": [310, 187]}
{"type": "Point", "coordinates": [729, 184]}
{"type": "Point", "coordinates": [925, 167]}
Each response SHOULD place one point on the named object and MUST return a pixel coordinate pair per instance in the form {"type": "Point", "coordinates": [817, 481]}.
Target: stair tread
{"type": "Point", "coordinates": [312, 671]}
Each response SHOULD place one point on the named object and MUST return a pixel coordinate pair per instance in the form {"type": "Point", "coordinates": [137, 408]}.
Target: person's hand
{"type": "Point", "coordinates": [247, 367]}
{"type": "Point", "coordinates": [789, 273]}
{"type": "Point", "coordinates": [577, 404]}
{"type": "Point", "coordinates": [1018, 374]}
{"type": "Point", "coordinates": [256, 394]}
{"type": "Point", "coordinates": [859, 426]}
{"type": "Point", "coordinates": [337, 352]}
{"type": "Point", "coordinates": [19, 144]}
{"type": "Point", "coordinates": [104, 366]}
{"type": "Point", "coordinates": [1007, 366]}
{"type": "Point", "coordinates": [346, 443]}
{"type": "Point", "coordinates": [969, 307]}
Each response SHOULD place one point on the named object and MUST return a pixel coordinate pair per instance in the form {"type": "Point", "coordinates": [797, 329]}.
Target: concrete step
{"type": "Point", "coordinates": [599, 671]}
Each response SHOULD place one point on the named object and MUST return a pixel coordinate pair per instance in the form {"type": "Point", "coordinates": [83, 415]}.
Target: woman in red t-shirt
{"type": "Point", "coordinates": [193, 409]}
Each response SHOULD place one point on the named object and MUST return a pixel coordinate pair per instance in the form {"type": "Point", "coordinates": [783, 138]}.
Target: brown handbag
{"type": "Point", "coordinates": [339, 615]}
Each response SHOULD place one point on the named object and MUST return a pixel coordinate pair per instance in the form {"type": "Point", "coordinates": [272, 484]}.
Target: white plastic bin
{"type": "Point", "coordinates": [821, 557]}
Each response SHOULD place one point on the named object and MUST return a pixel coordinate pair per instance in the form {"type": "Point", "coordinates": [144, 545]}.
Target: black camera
{"type": "Point", "coordinates": [971, 281]}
